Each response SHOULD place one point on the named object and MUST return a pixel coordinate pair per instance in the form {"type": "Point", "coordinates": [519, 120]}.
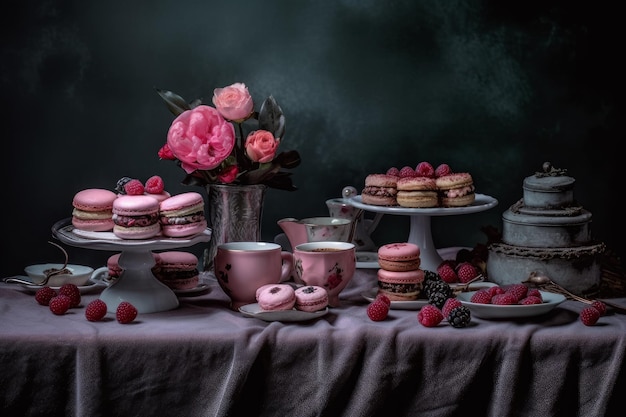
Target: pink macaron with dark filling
{"type": "Point", "coordinates": [182, 215]}
{"type": "Point", "coordinates": [311, 298]}
{"type": "Point", "coordinates": [177, 269]}
{"type": "Point", "coordinates": [136, 217]}
{"type": "Point", "coordinates": [92, 210]}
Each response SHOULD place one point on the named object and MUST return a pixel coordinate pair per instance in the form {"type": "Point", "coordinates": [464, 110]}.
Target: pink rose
{"type": "Point", "coordinates": [200, 138]}
{"type": "Point", "coordinates": [261, 146]}
{"type": "Point", "coordinates": [166, 153]}
{"type": "Point", "coordinates": [228, 174]}
{"type": "Point", "coordinates": [233, 102]}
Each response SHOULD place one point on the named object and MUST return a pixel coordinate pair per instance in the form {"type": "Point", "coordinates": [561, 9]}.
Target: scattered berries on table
{"type": "Point", "coordinates": [134, 187]}
{"type": "Point", "coordinates": [126, 312]}
{"type": "Point", "coordinates": [44, 295]}
{"type": "Point", "coordinates": [589, 316]}
{"type": "Point", "coordinates": [425, 169]}
{"type": "Point", "coordinates": [60, 304]}
{"type": "Point", "coordinates": [429, 316]}
{"type": "Point", "coordinates": [442, 169]}
{"type": "Point", "coordinates": [72, 291]}
{"type": "Point", "coordinates": [384, 299]}
{"type": "Point", "coordinates": [96, 310]}
{"type": "Point", "coordinates": [459, 316]}
{"type": "Point", "coordinates": [450, 304]}
{"type": "Point", "coordinates": [154, 185]}
{"type": "Point", "coordinates": [600, 306]}
{"type": "Point", "coordinates": [377, 310]}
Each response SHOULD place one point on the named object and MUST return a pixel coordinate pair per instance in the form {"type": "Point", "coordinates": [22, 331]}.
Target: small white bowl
{"type": "Point", "coordinates": [79, 275]}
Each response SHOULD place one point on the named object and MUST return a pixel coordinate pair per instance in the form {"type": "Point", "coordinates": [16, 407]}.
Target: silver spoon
{"type": "Point", "coordinates": [48, 273]}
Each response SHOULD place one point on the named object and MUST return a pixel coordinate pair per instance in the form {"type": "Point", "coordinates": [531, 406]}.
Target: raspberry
{"type": "Point", "coordinates": [496, 289]}
{"type": "Point", "coordinates": [60, 304]}
{"type": "Point", "coordinates": [44, 295]}
{"type": "Point", "coordinates": [504, 299]}
{"type": "Point", "coordinates": [447, 273]}
{"type": "Point", "coordinates": [96, 310]}
{"type": "Point", "coordinates": [119, 187]}
{"type": "Point", "coordinates": [154, 185]}
{"type": "Point", "coordinates": [481, 297]}
{"type": "Point", "coordinates": [407, 172]}
{"type": "Point", "coordinates": [393, 171]}
{"type": "Point", "coordinates": [425, 169]}
{"type": "Point", "coordinates": [518, 291]}
{"type": "Point", "coordinates": [600, 306]}
{"type": "Point", "coordinates": [530, 299]}
{"type": "Point", "coordinates": [134, 187]}
{"type": "Point", "coordinates": [126, 312]}
{"type": "Point", "coordinates": [442, 170]}
{"type": "Point", "coordinates": [535, 293]}
{"type": "Point", "coordinates": [72, 291]}
{"type": "Point", "coordinates": [589, 316]}
{"type": "Point", "coordinates": [449, 305]}
{"type": "Point", "coordinates": [429, 316]}
{"type": "Point", "coordinates": [384, 299]}
{"type": "Point", "coordinates": [377, 310]}
{"type": "Point", "coordinates": [466, 272]}
{"type": "Point", "coordinates": [459, 317]}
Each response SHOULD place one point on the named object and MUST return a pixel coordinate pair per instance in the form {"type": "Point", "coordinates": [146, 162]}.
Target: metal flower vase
{"type": "Point", "coordinates": [234, 215]}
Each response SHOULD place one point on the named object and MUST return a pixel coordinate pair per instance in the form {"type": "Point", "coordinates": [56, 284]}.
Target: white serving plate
{"type": "Point", "coordinates": [90, 286]}
{"type": "Point", "coordinates": [490, 311]}
{"type": "Point", "coordinates": [254, 310]}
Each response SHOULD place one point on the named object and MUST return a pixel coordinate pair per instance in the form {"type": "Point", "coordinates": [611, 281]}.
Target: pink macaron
{"type": "Point", "coordinates": [277, 297]}
{"type": "Point", "coordinates": [402, 256]}
{"type": "Point", "coordinates": [92, 210]}
{"type": "Point", "coordinates": [311, 298]}
{"type": "Point", "coordinates": [400, 285]}
{"type": "Point", "coordinates": [136, 217]}
{"type": "Point", "coordinates": [177, 269]}
{"type": "Point", "coordinates": [182, 215]}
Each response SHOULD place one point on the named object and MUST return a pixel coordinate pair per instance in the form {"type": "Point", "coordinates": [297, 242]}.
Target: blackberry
{"type": "Point", "coordinates": [438, 292]}
{"type": "Point", "coordinates": [431, 279]}
{"type": "Point", "coordinates": [459, 317]}
{"type": "Point", "coordinates": [119, 187]}
{"type": "Point", "coordinates": [438, 299]}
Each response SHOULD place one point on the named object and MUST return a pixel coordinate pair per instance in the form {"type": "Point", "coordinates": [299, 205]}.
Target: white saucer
{"type": "Point", "coordinates": [89, 287]}
{"type": "Point", "coordinates": [366, 260]}
{"type": "Point", "coordinates": [201, 288]}
{"type": "Point", "coordinates": [254, 310]}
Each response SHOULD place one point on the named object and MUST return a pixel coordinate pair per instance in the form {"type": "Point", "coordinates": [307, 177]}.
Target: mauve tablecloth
{"type": "Point", "coordinates": [202, 359]}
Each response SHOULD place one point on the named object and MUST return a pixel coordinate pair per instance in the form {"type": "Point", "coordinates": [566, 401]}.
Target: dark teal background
{"type": "Point", "coordinates": [489, 87]}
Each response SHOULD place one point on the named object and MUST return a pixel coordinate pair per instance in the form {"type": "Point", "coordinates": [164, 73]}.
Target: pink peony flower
{"type": "Point", "coordinates": [233, 102]}
{"type": "Point", "coordinates": [261, 146]}
{"type": "Point", "coordinates": [200, 138]}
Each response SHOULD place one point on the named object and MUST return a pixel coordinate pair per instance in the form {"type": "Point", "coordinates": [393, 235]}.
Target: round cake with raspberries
{"type": "Point", "coordinates": [422, 187]}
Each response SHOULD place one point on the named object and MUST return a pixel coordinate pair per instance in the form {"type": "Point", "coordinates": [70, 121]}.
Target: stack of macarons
{"type": "Point", "coordinates": [277, 297]}
{"type": "Point", "coordinates": [400, 276]}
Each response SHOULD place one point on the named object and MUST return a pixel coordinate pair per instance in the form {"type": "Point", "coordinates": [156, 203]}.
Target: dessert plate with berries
{"type": "Point", "coordinates": [510, 311]}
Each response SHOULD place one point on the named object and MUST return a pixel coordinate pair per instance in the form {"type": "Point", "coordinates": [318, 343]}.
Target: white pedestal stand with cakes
{"type": "Point", "coordinates": [420, 232]}
{"type": "Point", "coordinates": [136, 284]}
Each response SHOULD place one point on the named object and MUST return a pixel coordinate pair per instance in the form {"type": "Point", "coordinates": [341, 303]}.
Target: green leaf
{"type": "Point", "coordinates": [175, 103]}
{"type": "Point", "coordinates": [271, 118]}
{"type": "Point", "coordinates": [288, 159]}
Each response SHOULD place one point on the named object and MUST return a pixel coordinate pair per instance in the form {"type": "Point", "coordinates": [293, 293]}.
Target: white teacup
{"type": "Point", "coordinates": [78, 275]}
{"type": "Point", "coordinates": [243, 267]}
{"type": "Point", "coordinates": [329, 264]}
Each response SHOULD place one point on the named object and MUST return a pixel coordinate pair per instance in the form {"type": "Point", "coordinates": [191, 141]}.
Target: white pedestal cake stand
{"type": "Point", "coordinates": [136, 284]}
{"type": "Point", "coordinates": [420, 232]}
